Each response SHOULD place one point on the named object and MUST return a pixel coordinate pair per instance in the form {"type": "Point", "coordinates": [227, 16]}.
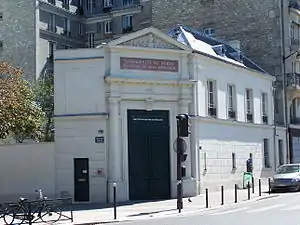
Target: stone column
{"type": "Point", "coordinates": [114, 147]}
{"type": "Point", "coordinates": [184, 108]}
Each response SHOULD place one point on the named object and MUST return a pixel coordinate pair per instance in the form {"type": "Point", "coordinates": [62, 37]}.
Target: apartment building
{"type": "Point", "coordinates": [266, 31]}
{"type": "Point", "coordinates": [30, 32]}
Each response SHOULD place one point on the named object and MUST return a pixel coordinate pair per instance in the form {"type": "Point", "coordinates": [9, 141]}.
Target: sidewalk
{"type": "Point", "coordinates": [166, 208]}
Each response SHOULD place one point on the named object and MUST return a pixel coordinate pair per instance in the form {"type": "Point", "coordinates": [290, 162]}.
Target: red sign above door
{"type": "Point", "coordinates": [149, 64]}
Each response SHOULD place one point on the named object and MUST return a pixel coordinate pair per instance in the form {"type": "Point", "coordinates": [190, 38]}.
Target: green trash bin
{"type": "Point", "coordinates": [247, 178]}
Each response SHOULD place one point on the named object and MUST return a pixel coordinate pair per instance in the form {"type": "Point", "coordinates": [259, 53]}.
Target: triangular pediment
{"type": "Point", "coordinates": [149, 38]}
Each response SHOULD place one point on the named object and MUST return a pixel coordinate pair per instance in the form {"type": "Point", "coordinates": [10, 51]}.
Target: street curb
{"type": "Point", "coordinates": [255, 199]}
{"type": "Point", "coordinates": [268, 197]}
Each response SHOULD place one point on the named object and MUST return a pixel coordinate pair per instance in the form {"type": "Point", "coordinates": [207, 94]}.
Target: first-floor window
{"type": "Point", "coordinates": [266, 153]}
{"type": "Point", "coordinates": [91, 37]}
{"type": "Point", "coordinates": [107, 27]}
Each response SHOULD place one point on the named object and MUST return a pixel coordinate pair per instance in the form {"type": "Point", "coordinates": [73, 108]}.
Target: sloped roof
{"type": "Point", "coordinates": [229, 53]}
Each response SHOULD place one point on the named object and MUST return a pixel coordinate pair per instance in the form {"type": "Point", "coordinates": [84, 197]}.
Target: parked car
{"type": "Point", "coordinates": [287, 177]}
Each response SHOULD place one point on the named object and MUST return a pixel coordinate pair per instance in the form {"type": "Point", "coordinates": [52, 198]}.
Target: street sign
{"type": "Point", "coordinates": [182, 142]}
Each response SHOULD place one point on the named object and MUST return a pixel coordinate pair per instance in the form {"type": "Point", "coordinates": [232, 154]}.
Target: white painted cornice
{"type": "Point", "coordinates": [173, 83]}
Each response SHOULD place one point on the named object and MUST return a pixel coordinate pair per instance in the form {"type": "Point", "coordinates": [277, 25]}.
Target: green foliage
{"type": "Point", "coordinates": [19, 115]}
{"type": "Point", "coordinates": [45, 99]}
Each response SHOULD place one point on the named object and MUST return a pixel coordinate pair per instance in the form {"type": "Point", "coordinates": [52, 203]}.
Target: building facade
{"type": "Point", "coordinates": [30, 31]}
{"type": "Point", "coordinates": [267, 37]}
{"type": "Point", "coordinates": [115, 110]}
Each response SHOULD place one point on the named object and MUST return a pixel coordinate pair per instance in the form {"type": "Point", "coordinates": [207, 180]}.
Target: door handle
{"type": "Point", "coordinates": [81, 180]}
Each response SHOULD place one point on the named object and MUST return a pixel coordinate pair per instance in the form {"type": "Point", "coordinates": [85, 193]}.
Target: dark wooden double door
{"type": "Point", "coordinates": [148, 155]}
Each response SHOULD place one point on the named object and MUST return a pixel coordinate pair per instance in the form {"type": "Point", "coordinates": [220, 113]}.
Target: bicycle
{"type": "Point", "coordinates": [25, 211]}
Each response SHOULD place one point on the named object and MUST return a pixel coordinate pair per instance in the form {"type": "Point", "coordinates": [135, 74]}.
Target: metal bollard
{"type": "Point", "coordinates": [259, 187]}
{"type": "Point", "coordinates": [115, 200]}
{"type": "Point", "coordinates": [253, 190]}
{"type": "Point", "coordinates": [248, 190]}
{"type": "Point", "coordinates": [206, 198]}
{"type": "Point", "coordinates": [29, 215]}
{"type": "Point", "coordinates": [235, 193]}
{"type": "Point", "coordinates": [222, 195]}
{"type": "Point", "coordinates": [269, 184]}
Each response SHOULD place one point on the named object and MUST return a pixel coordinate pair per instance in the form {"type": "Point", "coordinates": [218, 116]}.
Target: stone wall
{"type": "Point", "coordinates": [255, 23]}
{"type": "Point", "coordinates": [17, 32]}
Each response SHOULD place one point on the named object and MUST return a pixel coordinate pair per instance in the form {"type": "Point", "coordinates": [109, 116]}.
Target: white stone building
{"type": "Point", "coordinates": [115, 110]}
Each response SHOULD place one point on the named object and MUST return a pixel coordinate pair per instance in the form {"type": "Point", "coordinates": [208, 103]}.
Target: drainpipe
{"type": "Point", "coordinates": [275, 127]}
{"type": "Point", "coordinates": [284, 82]}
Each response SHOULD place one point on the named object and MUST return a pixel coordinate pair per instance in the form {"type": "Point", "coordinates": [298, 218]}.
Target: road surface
{"type": "Point", "coordinates": [282, 210]}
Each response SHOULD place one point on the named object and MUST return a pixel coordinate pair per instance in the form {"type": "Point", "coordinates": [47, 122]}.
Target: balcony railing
{"type": "Point", "coordinates": [293, 80]}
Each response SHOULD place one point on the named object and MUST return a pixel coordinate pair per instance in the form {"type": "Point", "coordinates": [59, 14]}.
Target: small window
{"type": "Point", "coordinates": [209, 31]}
{"type": "Point", "coordinates": [231, 95]}
{"type": "Point", "coordinates": [127, 21]}
{"type": "Point", "coordinates": [266, 153]}
{"type": "Point", "coordinates": [107, 27]}
{"type": "Point", "coordinates": [91, 37]}
{"type": "Point", "coordinates": [98, 27]}
{"type": "Point", "coordinates": [80, 29]}
{"type": "Point", "coordinates": [233, 161]}
{"type": "Point", "coordinates": [280, 152]}
{"type": "Point", "coordinates": [1, 16]}
{"type": "Point", "coordinates": [1, 45]}
{"type": "Point", "coordinates": [107, 3]}
{"type": "Point", "coordinates": [249, 105]}
{"type": "Point", "coordinates": [264, 107]}
{"type": "Point", "coordinates": [211, 98]}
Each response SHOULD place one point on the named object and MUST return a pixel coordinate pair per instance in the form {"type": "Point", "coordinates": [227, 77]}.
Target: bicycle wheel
{"type": "Point", "coordinates": [14, 215]}
{"type": "Point", "coordinates": [51, 214]}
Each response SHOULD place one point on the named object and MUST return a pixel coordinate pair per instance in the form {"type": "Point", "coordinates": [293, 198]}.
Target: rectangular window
{"type": "Point", "coordinates": [127, 21]}
{"type": "Point", "coordinates": [107, 3]}
{"type": "Point", "coordinates": [280, 152]}
{"type": "Point", "coordinates": [80, 29]}
{"type": "Point", "coordinates": [107, 27]}
{"type": "Point", "coordinates": [51, 23]}
{"type": "Point", "coordinates": [91, 37]}
{"type": "Point", "coordinates": [66, 4]}
{"type": "Point", "coordinates": [266, 153]}
{"type": "Point", "coordinates": [67, 27]}
{"type": "Point", "coordinates": [249, 105]}
{"type": "Point", "coordinates": [127, 2]}
{"type": "Point", "coordinates": [264, 107]}
{"type": "Point", "coordinates": [91, 6]}
{"type": "Point", "coordinates": [1, 16]}
{"type": "Point", "coordinates": [98, 27]}
{"type": "Point", "coordinates": [233, 161]}
{"type": "Point", "coordinates": [1, 45]}
{"type": "Point", "coordinates": [211, 98]}
{"type": "Point", "coordinates": [231, 95]}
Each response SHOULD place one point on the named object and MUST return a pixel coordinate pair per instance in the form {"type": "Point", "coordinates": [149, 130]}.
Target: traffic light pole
{"type": "Point", "coordinates": [182, 131]}
{"type": "Point", "coordinates": [179, 176]}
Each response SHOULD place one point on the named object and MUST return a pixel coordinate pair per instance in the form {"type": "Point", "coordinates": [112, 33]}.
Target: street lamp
{"type": "Point", "coordinates": [285, 84]}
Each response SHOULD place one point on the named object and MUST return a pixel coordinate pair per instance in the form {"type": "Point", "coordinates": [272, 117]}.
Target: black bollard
{"type": "Point", "coordinates": [253, 191]}
{"type": "Point", "coordinates": [206, 198]}
{"type": "Point", "coordinates": [235, 193]}
{"type": "Point", "coordinates": [222, 195]}
{"type": "Point", "coordinates": [248, 190]}
{"type": "Point", "coordinates": [29, 215]}
{"type": "Point", "coordinates": [269, 184]}
{"type": "Point", "coordinates": [259, 187]}
{"type": "Point", "coordinates": [115, 200]}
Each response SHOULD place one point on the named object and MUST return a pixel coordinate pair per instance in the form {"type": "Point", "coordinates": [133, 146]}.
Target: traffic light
{"type": "Point", "coordinates": [183, 125]}
{"type": "Point", "coordinates": [182, 167]}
